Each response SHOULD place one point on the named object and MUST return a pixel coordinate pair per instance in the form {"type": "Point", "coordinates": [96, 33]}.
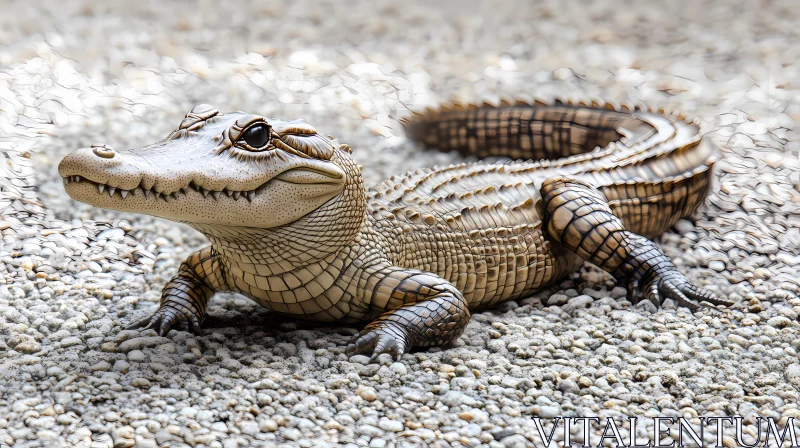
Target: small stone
{"type": "Point", "coordinates": [738, 340]}
{"type": "Point", "coordinates": [399, 368]}
{"type": "Point", "coordinates": [268, 425]}
{"type": "Point", "coordinates": [368, 394]}
{"type": "Point", "coordinates": [793, 374]}
{"type": "Point", "coordinates": [359, 359]}
{"type": "Point", "coordinates": [619, 292]}
{"type": "Point", "coordinates": [683, 226]}
{"type": "Point", "coordinates": [557, 299]}
{"type": "Point", "coordinates": [250, 427]}
{"type": "Point", "coordinates": [80, 434]}
{"type": "Point", "coordinates": [70, 341]}
{"type": "Point", "coordinates": [204, 416]}
{"type": "Point", "coordinates": [162, 242]}
{"type": "Point", "coordinates": [137, 356]}
{"type": "Point", "coordinates": [67, 419]}
{"type": "Point", "coordinates": [189, 411]}
{"type": "Point", "coordinates": [577, 302]}
{"type": "Point", "coordinates": [716, 265]}
{"type": "Point", "coordinates": [568, 386]}
{"type": "Point", "coordinates": [146, 443]}
{"type": "Point", "coordinates": [762, 274]}
{"type": "Point", "coordinates": [124, 443]}
{"type": "Point", "coordinates": [142, 383]}
{"type": "Point", "coordinates": [452, 398]}
{"type": "Point", "coordinates": [477, 364]}
{"type": "Point", "coordinates": [549, 411]}
{"type": "Point", "coordinates": [426, 434]}
{"type": "Point", "coordinates": [121, 366]}
{"type": "Point", "coordinates": [115, 234]}
{"type": "Point", "coordinates": [29, 347]}
{"type": "Point", "coordinates": [774, 160]}
{"type": "Point", "coordinates": [779, 322]}
{"type": "Point", "coordinates": [377, 443]}
{"type": "Point", "coordinates": [390, 425]}
{"type": "Point", "coordinates": [333, 424]}
{"type": "Point", "coordinates": [292, 433]}
{"type": "Point", "coordinates": [101, 366]}
{"type": "Point", "coordinates": [143, 342]}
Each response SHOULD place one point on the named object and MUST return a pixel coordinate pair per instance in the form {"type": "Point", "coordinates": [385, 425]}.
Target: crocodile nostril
{"type": "Point", "coordinates": [103, 151]}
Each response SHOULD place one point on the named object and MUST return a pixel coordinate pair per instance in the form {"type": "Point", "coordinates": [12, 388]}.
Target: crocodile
{"type": "Point", "coordinates": [292, 226]}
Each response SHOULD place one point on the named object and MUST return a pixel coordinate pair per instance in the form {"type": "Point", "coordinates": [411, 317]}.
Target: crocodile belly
{"type": "Point", "coordinates": [487, 241]}
{"type": "Point", "coordinates": [490, 265]}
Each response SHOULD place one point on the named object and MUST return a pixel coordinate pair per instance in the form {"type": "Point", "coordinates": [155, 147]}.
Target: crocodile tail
{"type": "Point", "coordinates": [523, 131]}
{"type": "Point", "coordinates": [651, 206]}
{"type": "Point", "coordinates": [654, 166]}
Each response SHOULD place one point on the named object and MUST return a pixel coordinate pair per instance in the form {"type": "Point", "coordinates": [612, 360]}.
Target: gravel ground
{"type": "Point", "coordinates": [71, 277]}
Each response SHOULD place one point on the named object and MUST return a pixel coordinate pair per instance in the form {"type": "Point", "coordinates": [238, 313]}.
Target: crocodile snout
{"type": "Point", "coordinates": [103, 150]}
{"type": "Point", "coordinates": [100, 164]}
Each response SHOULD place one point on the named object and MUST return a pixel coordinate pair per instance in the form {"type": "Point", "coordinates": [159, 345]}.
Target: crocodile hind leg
{"type": "Point", "coordinates": [579, 217]}
{"type": "Point", "coordinates": [424, 310]}
{"type": "Point", "coordinates": [185, 297]}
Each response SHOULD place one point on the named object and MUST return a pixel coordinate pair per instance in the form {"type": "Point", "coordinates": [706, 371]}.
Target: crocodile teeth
{"type": "Point", "coordinates": [215, 194]}
{"type": "Point", "coordinates": [76, 178]}
{"type": "Point", "coordinates": [111, 191]}
{"type": "Point", "coordinates": [236, 195]}
{"type": "Point", "coordinates": [147, 194]}
{"type": "Point", "coordinates": [228, 192]}
{"type": "Point", "coordinates": [250, 195]}
{"type": "Point", "coordinates": [101, 188]}
{"type": "Point", "coordinates": [205, 192]}
{"type": "Point", "coordinates": [123, 193]}
{"type": "Point", "coordinates": [66, 181]}
{"type": "Point", "coordinates": [164, 197]}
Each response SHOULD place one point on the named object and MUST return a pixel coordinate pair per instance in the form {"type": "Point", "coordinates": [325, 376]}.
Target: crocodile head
{"type": "Point", "coordinates": [234, 169]}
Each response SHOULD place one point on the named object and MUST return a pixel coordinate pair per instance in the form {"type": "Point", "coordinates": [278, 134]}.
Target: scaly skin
{"type": "Point", "coordinates": [292, 227]}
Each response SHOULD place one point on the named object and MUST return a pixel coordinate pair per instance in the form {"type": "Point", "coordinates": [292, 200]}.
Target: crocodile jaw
{"type": "Point", "coordinates": [290, 191]}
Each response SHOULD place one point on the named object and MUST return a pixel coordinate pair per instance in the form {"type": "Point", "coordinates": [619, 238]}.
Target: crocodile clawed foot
{"type": "Point", "coordinates": [674, 285]}
{"type": "Point", "coordinates": [381, 337]}
{"type": "Point", "coordinates": [167, 318]}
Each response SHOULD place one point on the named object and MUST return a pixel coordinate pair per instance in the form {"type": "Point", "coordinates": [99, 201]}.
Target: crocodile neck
{"type": "Point", "coordinates": [314, 239]}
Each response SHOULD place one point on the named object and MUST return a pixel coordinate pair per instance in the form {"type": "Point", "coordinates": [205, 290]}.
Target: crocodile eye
{"type": "Point", "coordinates": [257, 136]}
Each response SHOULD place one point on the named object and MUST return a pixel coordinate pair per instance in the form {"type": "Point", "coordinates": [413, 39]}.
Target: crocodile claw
{"type": "Point", "coordinates": [674, 285]}
{"type": "Point", "coordinates": [382, 337]}
{"type": "Point", "coordinates": [167, 318]}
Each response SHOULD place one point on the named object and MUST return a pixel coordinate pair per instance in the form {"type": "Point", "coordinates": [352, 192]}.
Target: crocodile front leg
{"type": "Point", "coordinates": [579, 217]}
{"type": "Point", "coordinates": [185, 297]}
{"type": "Point", "coordinates": [425, 310]}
